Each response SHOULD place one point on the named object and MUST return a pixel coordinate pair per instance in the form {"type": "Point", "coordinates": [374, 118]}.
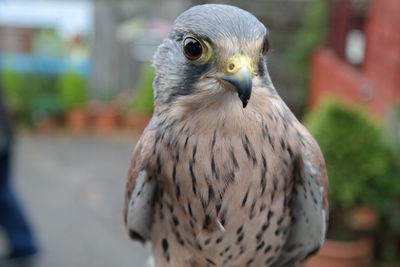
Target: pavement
{"type": "Point", "coordinates": [72, 190]}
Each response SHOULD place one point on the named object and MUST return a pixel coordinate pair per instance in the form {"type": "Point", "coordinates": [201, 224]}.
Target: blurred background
{"type": "Point", "coordinates": [75, 77]}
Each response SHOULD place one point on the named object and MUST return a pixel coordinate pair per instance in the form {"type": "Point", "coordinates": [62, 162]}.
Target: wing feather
{"type": "Point", "coordinates": [309, 205]}
{"type": "Point", "coordinates": [139, 192]}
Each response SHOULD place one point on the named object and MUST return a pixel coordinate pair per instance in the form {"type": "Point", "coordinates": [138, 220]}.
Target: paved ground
{"type": "Point", "coordinates": [72, 189]}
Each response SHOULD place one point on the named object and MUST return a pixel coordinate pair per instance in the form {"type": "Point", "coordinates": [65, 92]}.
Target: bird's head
{"type": "Point", "coordinates": [214, 52]}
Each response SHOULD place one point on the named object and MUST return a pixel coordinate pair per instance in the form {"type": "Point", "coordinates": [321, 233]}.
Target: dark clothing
{"type": "Point", "coordinates": [12, 219]}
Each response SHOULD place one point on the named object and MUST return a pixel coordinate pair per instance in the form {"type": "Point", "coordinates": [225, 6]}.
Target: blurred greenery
{"type": "Point", "coordinates": [31, 97]}
{"type": "Point", "coordinates": [360, 167]}
{"type": "Point", "coordinates": [143, 97]}
{"type": "Point", "coordinates": [311, 35]}
{"type": "Point", "coordinates": [12, 90]}
{"type": "Point", "coordinates": [73, 91]}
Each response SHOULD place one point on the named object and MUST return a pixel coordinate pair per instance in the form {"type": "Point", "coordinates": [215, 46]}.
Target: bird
{"type": "Point", "coordinates": [224, 174]}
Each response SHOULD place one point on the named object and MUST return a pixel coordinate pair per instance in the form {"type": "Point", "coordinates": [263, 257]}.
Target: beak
{"type": "Point", "coordinates": [239, 74]}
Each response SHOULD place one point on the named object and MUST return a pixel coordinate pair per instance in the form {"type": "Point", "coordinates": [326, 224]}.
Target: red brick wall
{"type": "Point", "coordinates": [378, 81]}
{"type": "Point", "coordinates": [333, 76]}
{"type": "Point", "coordinates": [382, 64]}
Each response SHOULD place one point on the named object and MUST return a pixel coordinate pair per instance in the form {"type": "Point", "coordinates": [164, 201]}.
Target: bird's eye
{"type": "Point", "coordinates": [265, 47]}
{"type": "Point", "coordinates": [192, 48]}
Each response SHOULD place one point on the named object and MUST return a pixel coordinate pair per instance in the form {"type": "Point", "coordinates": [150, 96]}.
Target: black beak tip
{"type": "Point", "coordinates": [244, 102]}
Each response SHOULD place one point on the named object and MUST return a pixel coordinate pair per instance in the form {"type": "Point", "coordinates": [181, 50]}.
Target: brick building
{"type": "Point", "coordinates": [375, 80]}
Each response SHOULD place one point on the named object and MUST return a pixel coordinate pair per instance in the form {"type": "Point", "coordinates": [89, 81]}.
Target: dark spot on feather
{"type": "Point", "coordinates": [269, 215]}
{"type": "Point", "coordinates": [186, 142]}
{"type": "Point", "coordinates": [218, 206]}
{"type": "Point", "coordinates": [245, 197]}
{"type": "Point", "coordinates": [214, 167]}
{"type": "Point", "coordinates": [234, 160]}
{"type": "Point", "coordinates": [178, 191]}
{"type": "Point", "coordinates": [207, 221]}
{"type": "Point", "coordinates": [249, 149]}
{"type": "Point", "coordinates": [190, 210]}
{"type": "Point", "coordinates": [214, 139]}
{"type": "Point", "coordinates": [283, 145]}
{"type": "Point", "coordinates": [230, 177]}
{"type": "Point", "coordinates": [174, 173]}
{"type": "Point", "coordinates": [259, 236]}
{"type": "Point", "coordinates": [194, 152]}
{"type": "Point", "coordinates": [158, 164]}
{"type": "Point", "coordinates": [193, 178]}
{"type": "Point", "coordinates": [268, 261]}
{"type": "Point", "coordinates": [290, 152]}
{"type": "Point", "coordinates": [222, 216]}
{"type": "Point", "coordinates": [265, 226]}
{"type": "Point", "coordinates": [263, 206]}
{"type": "Point", "coordinates": [210, 192]}
{"type": "Point", "coordinates": [267, 249]}
{"type": "Point", "coordinates": [252, 211]}
{"type": "Point", "coordinates": [280, 220]}
{"type": "Point", "coordinates": [164, 244]}
{"type": "Point", "coordinates": [260, 246]}
{"type": "Point", "coordinates": [210, 261]}
{"type": "Point", "coordinates": [240, 238]}
{"type": "Point", "coordinates": [242, 249]}
{"type": "Point", "coordinates": [175, 220]}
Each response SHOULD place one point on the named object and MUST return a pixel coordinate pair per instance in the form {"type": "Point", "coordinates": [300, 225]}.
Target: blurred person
{"type": "Point", "coordinates": [22, 246]}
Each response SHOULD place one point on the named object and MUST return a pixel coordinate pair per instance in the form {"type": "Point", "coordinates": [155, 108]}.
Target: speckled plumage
{"type": "Point", "coordinates": [212, 183]}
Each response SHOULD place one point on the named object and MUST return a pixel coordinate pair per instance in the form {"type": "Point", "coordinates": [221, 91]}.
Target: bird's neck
{"type": "Point", "coordinates": [210, 112]}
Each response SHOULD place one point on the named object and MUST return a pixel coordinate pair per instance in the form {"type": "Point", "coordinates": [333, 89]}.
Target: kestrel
{"type": "Point", "coordinates": [224, 174]}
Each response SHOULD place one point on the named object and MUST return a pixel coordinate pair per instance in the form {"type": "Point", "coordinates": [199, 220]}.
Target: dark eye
{"type": "Point", "coordinates": [265, 47]}
{"type": "Point", "coordinates": [192, 48]}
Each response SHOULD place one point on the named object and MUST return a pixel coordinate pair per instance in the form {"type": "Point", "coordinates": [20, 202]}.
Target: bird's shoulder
{"type": "Point", "coordinates": [140, 158]}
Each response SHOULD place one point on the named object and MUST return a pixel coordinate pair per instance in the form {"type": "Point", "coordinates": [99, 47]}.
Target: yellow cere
{"type": "Point", "coordinates": [234, 63]}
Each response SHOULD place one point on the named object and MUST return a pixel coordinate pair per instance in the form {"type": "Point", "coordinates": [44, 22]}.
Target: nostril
{"type": "Point", "coordinates": [231, 66]}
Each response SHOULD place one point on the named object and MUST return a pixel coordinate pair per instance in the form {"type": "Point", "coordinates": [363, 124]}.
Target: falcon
{"type": "Point", "coordinates": [224, 174]}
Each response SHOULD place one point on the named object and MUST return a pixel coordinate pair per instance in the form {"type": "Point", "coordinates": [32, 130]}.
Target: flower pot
{"type": "Point", "coordinates": [343, 254]}
{"type": "Point", "coordinates": [76, 120]}
{"type": "Point", "coordinates": [136, 122]}
{"type": "Point", "coordinates": [105, 120]}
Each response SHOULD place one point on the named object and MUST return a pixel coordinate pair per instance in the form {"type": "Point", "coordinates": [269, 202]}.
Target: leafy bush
{"type": "Point", "coordinates": [30, 96]}
{"type": "Point", "coordinates": [143, 97]}
{"type": "Point", "coordinates": [72, 90]}
{"type": "Point", "coordinates": [359, 165]}
{"type": "Point", "coordinates": [41, 97]}
{"type": "Point", "coordinates": [11, 84]}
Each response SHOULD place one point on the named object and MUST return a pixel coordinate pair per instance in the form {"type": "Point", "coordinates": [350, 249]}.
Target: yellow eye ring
{"type": "Point", "coordinates": [196, 50]}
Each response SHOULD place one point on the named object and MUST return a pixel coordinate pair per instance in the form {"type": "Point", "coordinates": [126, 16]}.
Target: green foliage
{"type": "Point", "coordinates": [72, 90]}
{"type": "Point", "coordinates": [310, 36]}
{"type": "Point", "coordinates": [31, 96]}
{"type": "Point", "coordinates": [360, 169]}
{"type": "Point", "coordinates": [143, 97]}
{"type": "Point", "coordinates": [11, 84]}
